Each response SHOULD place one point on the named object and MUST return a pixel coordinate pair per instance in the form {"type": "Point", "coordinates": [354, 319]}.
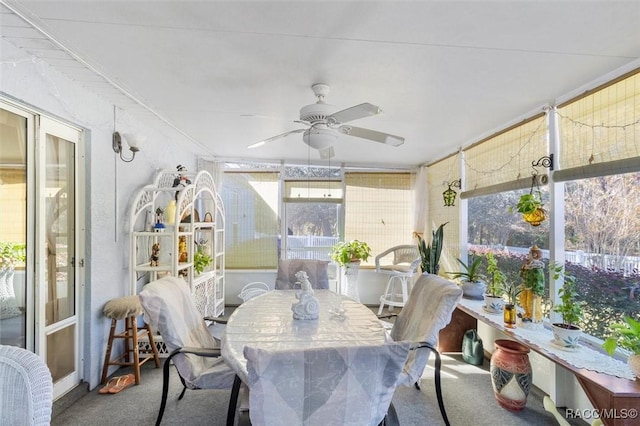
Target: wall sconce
{"type": "Point", "coordinates": [134, 145]}
{"type": "Point", "coordinates": [449, 194]}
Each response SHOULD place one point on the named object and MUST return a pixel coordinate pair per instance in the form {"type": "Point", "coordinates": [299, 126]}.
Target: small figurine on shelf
{"type": "Point", "coordinates": [183, 256]}
{"type": "Point", "coordinates": [155, 254]}
{"type": "Point", "coordinates": [159, 226]}
{"type": "Point", "coordinates": [181, 181]}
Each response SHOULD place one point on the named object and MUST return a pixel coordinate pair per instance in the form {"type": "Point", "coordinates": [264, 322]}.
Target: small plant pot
{"type": "Point", "coordinates": [536, 217]}
{"type": "Point", "coordinates": [566, 336]}
{"type": "Point", "coordinates": [634, 364]}
{"type": "Point", "coordinates": [510, 316]}
{"type": "Point", "coordinates": [493, 304]}
{"type": "Point", "coordinates": [473, 290]}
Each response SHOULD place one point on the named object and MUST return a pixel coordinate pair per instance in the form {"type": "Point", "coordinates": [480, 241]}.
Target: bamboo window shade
{"type": "Point", "coordinates": [506, 156]}
{"type": "Point", "coordinates": [377, 209]}
{"type": "Point", "coordinates": [602, 126]}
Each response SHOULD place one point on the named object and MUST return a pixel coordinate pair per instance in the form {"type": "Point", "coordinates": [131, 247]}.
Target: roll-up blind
{"type": "Point", "coordinates": [378, 209]}
{"type": "Point", "coordinates": [506, 156]}
{"type": "Point", "coordinates": [601, 129]}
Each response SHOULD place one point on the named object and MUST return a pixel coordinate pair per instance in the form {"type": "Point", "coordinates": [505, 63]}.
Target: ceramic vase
{"type": "Point", "coordinates": [510, 374]}
{"type": "Point", "coordinates": [566, 336]}
{"type": "Point", "coordinates": [473, 289]}
{"type": "Point", "coordinates": [492, 304]}
{"type": "Point", "coordinates": [351, 273]}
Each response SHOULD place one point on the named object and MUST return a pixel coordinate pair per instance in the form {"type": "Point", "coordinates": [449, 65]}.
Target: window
{"type": "Point", "coordinates": [317, 208]}
{"type": "Point", "coordinates": [251, 202]}
{"type": "Point", "coordinates": [378, 209]}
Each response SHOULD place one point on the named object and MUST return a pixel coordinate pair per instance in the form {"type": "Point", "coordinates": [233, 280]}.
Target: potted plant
{"type": "Point", "coordinates": [471, 280]}
{"type": "Point", "coordinates": [493, 301]}
{"type": "Point", "coordinates": [349, 254]}
{"type": "Point", "coordinates": [512, 292]}
{"type": "Point", "coordinates": [201, 260]}
{"type": "Point", "coordinates": [430, 254]}
{"type": "Point", "coordinates": [531, 207]}
{"type": "Point", "coordinates": [626, 335]}
{"type": "Point", "coordinates": [567, 333]}
{"type": "Point", "coordinates": [353, 251]}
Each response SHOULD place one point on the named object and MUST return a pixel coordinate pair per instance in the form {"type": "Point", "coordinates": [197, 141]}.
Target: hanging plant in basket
{"type": "Point", "coordinates": [531, 206]}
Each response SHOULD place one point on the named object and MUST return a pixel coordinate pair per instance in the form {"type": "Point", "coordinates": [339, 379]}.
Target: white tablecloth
{"type": "Point", "coordinates": [580, 357]}
{"type": "Point", "coordinates": [267, 322]}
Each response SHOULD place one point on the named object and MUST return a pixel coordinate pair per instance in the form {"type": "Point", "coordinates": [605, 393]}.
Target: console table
{"type": "Point", "coordinates": [607, 393]}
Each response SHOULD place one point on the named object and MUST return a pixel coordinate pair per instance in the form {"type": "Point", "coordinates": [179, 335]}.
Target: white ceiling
{"type": "Point", "coordinates": [230, 73]}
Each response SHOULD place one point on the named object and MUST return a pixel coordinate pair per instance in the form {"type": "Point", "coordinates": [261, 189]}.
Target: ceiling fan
{"type": "Point", "coordinates": [325, 124]}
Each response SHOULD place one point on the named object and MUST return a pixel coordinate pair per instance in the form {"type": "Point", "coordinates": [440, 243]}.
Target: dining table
{"type": "Point", "coordinates": [267, 322]}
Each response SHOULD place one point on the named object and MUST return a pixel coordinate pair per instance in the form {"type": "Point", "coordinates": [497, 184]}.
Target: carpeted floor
{"type": "Point", "coordinates": [467, 394]}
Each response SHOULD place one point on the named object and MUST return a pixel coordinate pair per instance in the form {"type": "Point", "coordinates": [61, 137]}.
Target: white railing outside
{"type": "Point", "coordinates": [627, 265]}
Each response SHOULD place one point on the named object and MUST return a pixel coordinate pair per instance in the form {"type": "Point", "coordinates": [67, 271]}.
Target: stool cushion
{"type": "Point", "coordinates": [122, 307]}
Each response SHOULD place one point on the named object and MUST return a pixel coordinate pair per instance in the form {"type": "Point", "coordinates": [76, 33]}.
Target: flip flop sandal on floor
{"type": "Point", "coordinates": [123, 383]}
{"type": "Point", "coordinates": [110, 383]}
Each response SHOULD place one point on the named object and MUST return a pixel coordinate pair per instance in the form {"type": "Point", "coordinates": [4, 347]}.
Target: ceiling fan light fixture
{"type": "Point", "coordinates": [319, 138]}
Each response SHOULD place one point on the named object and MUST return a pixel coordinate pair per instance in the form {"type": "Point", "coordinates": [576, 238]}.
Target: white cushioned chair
{"type": "Point", "coordinates": [428, 310]}
{"type": "Point", "coordinates": [169, 308]}
{"type": "Point", "coordinates": [26, 388]}
{"type": "Point", "coordinates": [324, 386]}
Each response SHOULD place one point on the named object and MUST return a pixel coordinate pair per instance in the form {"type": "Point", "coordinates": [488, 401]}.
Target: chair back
{"type": "Point", "coordinates": [324, 386]}
{"type": "Point", "coordinates": [428, 310]}
{"type": "Point", "coordinates": [26, 388]}
{"type": "Point", "coordinates": [253, 289]}
{"type": "Point", "coordinates": [316, 271]}
{"type": "Point", "coordinates": [402, 258]}
{"type": "Point", "coordinates": [169, 308]}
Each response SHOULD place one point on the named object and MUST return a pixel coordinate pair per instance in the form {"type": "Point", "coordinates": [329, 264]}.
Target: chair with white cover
{"type": "Point", "coordinates": [400, 263]}
{"type": "Point", "coordinates": [26, 388]}
{"type": "Point", "coordinates": [253, 289]}
{"type": "Point", "coordinates": [169, 308]}
{"type": "Point", "coordinates": [324, 386]}
{"type": "Point", "coordinates": [428, 310]}
{"type": "Point", "coordinates": [317, 272]}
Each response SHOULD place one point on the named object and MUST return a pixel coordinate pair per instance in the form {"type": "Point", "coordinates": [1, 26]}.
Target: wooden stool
{"type": "Point", "coordinates": [128, 309]}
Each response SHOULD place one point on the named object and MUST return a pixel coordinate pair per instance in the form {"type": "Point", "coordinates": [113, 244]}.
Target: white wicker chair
{"type": "Point", "coordinates": [253, 289]}
{"type": "Point", "coordinates": [400, 263]}
{"type": "Point", "coordinates": [26, 383]}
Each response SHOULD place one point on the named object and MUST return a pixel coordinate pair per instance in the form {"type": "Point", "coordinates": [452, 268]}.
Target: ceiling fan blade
{"type": "Point", "coordinates": [273, 138]}
{"type": "Point", "coordinates": [354, 113]}
{"type": "Point", "coordinates": [327, 153]}
{"type": "Point", "coordinates": [372, 135]}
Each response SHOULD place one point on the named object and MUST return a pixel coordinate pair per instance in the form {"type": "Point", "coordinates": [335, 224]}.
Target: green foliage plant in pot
{"type": "Point", "coordinates": [567, 333]}
{"type": "Point", "coordinates": [512, 292]}
{"type": "Point", "coordinates": [625, 335]}
{"type": "Point", "coordinates": [430, 254]}
{"type": "Point", "coordinates": [471, 280]}
{"type": "Point", "coordinates": [201, 260]}
{"type": "Point", "coordinates": [346, 252]}
{"type": "Point", "coordinates": [349, 254]}
{"type": "Point", "coordinates": [493, 301]}
{"type": "Point", "coordinates": [531, 207]}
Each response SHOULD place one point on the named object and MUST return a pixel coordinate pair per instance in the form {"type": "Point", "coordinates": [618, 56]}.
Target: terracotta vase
{"type": "Point", "coordinates": [510, 374]}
